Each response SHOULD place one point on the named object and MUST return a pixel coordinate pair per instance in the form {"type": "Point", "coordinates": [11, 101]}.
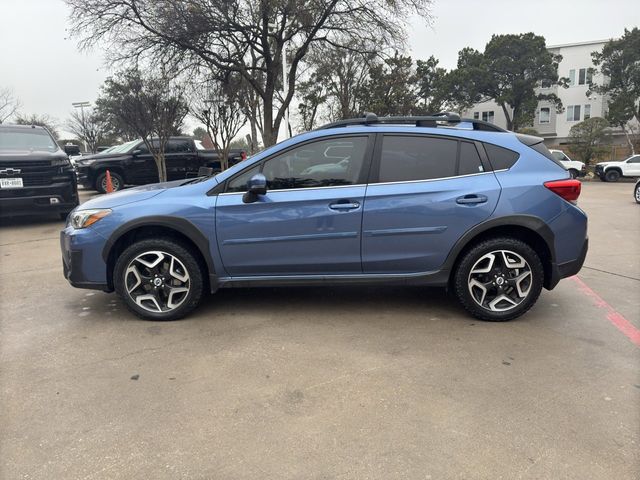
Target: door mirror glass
{"type": "Point", "coordinates": [136, 152]}
{"type": "Point", "coordinates": [257, 185]}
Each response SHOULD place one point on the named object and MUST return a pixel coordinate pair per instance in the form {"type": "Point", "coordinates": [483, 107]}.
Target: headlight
{"type": "Point", "coordinates": [57, 162]}
{"type": "Point", "coordinates": [84, 218]}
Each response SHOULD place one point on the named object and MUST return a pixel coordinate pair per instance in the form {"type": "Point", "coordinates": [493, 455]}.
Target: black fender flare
{"type": "Point", "coordinates": [530, 222]}
{"type": "Point", "coordinates": [180, 225]}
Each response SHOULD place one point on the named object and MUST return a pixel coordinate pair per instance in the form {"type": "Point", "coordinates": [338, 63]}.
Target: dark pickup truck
{"type": "Point", "coordinates": [132, 164]}
{"type": "Point", "coordinates": [36, 175]}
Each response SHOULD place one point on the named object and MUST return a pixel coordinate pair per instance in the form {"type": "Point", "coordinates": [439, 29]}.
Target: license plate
{"type": "Point", "coordinates": [11, 183]}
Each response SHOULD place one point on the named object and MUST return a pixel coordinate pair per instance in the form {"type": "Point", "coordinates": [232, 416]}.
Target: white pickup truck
{"type": "Point", "coordinates": [575, 168]}
{"type": "Point", "coordinates": [612, 171]}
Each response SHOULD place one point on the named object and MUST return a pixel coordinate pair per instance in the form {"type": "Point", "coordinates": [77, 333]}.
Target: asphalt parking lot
{"type": "Point", "coordinates": [323, 383]}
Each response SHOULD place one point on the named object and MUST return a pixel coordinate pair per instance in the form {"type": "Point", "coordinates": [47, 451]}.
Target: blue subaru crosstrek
{"type": "Point", "coordinates": [434, 201]}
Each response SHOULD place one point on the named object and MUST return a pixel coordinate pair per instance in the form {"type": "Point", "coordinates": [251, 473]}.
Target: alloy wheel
{"type": "Point", "coordinates": [500, 280]}
{"type": "Point", "coordinates": [157, 281]}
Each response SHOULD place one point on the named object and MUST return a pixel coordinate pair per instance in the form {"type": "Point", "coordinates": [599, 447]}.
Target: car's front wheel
{"type": "Point", "coordinates": [159, 279]}
{"type": "Point", "coordinates": [499, 279]}
{"type": "Point", "coordinates": [636, 192]}
{"type": "Point", "coordinates": [573, 173]}
{"type": "Point", "coordinates": [612, 176]}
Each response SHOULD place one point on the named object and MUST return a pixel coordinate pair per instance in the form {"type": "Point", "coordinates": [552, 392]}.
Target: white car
{"type": "Point", "coordinates": [612, 171]}
{"type": "Point", "coordinates": [575, 168]}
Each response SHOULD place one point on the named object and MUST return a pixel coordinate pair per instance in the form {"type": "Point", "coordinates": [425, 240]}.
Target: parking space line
{"type": "Point", "coordinates": [616, 318]}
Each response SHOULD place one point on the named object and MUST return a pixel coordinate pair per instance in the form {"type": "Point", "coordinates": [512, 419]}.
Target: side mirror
{"type": "Point", "coordinates": [136, 152]}
{"type": "Point", "coordinates": [257, 185]}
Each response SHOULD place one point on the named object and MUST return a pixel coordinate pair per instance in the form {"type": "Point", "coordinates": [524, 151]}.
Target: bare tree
{"type": "Point", "coordinates": [9, 104]}
{"type": "Point", "coordinates": [247, 37]}
{"type": "Point", "coordinates": [152, 107]}
{"type": "Point", "coordinates": [88, 127]}
{"type": "Point", "coordinates": [216, 103]}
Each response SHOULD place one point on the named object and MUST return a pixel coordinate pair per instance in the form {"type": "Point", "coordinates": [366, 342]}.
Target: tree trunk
{"type": "Point", "coordinates": [505, 110]}
{"type": "Point", "coordinates": [161, 164]}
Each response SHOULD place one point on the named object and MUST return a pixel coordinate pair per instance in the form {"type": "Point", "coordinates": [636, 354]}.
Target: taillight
{"type": "Point", "coordinates": [243, 155]}
{"type": "Point", "coordinates": [567, 189]}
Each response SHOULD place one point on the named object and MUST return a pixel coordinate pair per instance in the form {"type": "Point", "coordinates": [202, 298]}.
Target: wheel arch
{"type": "Point", "coordinates": [528, 229]}
{"type": "Point", "coordinates": [154, 227]}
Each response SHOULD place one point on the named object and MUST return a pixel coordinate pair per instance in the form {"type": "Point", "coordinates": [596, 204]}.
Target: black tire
{"type": "Point", "coordinates": [462, 278]}
{"type": "Point", "coordinates": [602, 178]}
{"type": "Point", "coordinates": [183, 254]}
{"type": "Point", "coordinates": [636, 193]}
{"type": "Point", "coordinates": [116, 181]}
{"type": "Point", "coordinates": [612, 176]}
{"type": "Point", "coordinates": [573, 173]}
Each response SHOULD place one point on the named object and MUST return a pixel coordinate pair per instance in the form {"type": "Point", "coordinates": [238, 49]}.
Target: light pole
{"type": "Point", "coordinates": [81, 106]}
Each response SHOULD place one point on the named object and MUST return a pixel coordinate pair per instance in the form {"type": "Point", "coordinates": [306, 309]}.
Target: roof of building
{"type": "Point", "coordinates": [578, 44]}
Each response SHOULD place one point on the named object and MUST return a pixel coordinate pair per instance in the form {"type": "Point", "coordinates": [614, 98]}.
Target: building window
{"type": "Point", "coordinates": [545, 84]}
{"type": "Point", "coordinates": [587, 111]}
{"type": "Point", "coordinates": [572, 78]}
{"type": "Point", "coordinates": [476, 115]}
{"type": "Point", "coordinates": [573, 113]}
{"type": "Point", "coordinates": [545, 115]}
{"type": "Point", "coordinates": [488, 116]}
{"type": "Point", "coordinates": [584, 76]}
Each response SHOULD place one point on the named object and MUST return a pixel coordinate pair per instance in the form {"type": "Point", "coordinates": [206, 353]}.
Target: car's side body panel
{"type": "Point", "coordinates": [412, 226]}
{"type": "Point", "coordinates": [288, 232]}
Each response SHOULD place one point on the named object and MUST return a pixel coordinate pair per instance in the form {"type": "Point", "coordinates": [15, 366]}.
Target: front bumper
{"type": "Point", "coordinates": [84, 176]}
{"type": "Point", "coordinates": [54, 198]}
{"type": "Point", "coordinates": [599, 170]}
{"type": "Point", "coordinates": [82, 264]}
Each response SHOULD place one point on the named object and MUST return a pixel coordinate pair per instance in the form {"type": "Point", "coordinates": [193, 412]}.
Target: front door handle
{"type": "Point", "coordinates": [342, 206]}
{"type": "Point", "coordinates": [471, 199]}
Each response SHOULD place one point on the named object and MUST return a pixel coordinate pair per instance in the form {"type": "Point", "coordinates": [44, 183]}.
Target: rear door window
{"type": "Point", "coordinates": [407, 158]}
{"type": "Point", "coordinates": [470, 162]}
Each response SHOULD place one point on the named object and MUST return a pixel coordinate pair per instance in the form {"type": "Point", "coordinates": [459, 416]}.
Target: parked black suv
{"type": "Point", "coordinates": [132, 164]}
{"type": "Point", "coordinates": [35, 173]}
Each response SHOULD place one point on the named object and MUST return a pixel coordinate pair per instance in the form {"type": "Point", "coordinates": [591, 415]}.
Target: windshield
{"type": "Point", "coordinates": [124, 148]}
{"type": "Point", "coordinates": [17, 138]}
{"type": "Point", "coordinates": [558, 155]}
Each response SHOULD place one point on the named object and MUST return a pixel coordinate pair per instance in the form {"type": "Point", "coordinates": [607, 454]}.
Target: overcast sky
{"type": "Point", "coordinates": [47, 72]}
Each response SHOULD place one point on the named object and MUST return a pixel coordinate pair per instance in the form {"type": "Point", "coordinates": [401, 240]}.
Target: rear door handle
{"type": "Point", "coordinates": [471, 199]}
{"type": "Point", "coordinates": [344, 206]}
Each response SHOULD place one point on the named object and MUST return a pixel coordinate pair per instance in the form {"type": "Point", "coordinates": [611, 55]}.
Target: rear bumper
{"type": "Point", "coordinates": [567, 269]}
{"type": "Point", "coordinates": [55, 198]}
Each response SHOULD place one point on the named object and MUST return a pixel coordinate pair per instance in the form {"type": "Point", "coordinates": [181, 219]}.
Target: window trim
{"type": "Point", "coordinates": [221, 188]}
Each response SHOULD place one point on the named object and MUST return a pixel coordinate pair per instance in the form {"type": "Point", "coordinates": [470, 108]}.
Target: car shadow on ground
{"type": "Point", "coordinates": [332, 304]}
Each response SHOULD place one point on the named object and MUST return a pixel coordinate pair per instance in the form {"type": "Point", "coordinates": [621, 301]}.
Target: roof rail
{"type": "Point", "coordinates": [437, 119]}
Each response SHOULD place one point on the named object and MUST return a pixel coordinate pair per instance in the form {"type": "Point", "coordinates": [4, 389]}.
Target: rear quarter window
{"type": "Point", "coordinates": [542, 149]}
{"type": "Point", "coordinates": [501, 158]}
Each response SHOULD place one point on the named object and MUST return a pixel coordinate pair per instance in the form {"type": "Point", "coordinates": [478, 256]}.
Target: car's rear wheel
{"type": "Point", "coordinates": [499, 279]}
{"type": "Point", "coordinates": [636, 192]}
{"type": "Point", "coordinates": [612, 176]}
{"type": "Point", "coordinates": [117, 182]}
{"type": "Point", "coordinates": [573, 173]}
{"type": "Point", "coordinates": [159, 279]}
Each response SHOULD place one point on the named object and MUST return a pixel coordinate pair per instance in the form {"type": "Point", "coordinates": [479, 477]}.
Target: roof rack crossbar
{"type": "Point", "coordinates": [435, 120]}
